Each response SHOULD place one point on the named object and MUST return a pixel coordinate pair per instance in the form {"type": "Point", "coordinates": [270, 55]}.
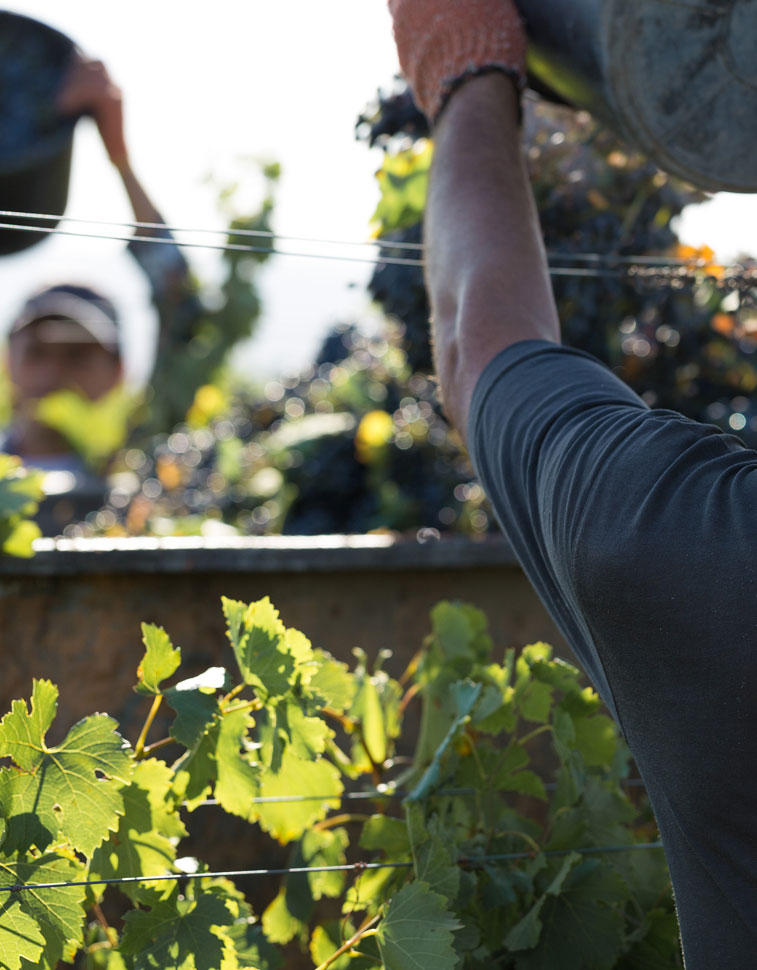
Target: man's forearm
{"type": "Point", "coordinates": [487, 272]}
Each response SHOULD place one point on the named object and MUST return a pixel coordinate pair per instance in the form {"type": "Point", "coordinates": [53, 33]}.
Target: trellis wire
{"type": "Point", "coordinates": [219, 247]}
{"type": "Point", "coordinates": [470, 862]}
{"type": "Point", "coordinates": [257, 233]}
{"type": "Point", "coordinates": [378, 795]}
{"type": "Point", "coordinates": [646, 268]}
{"type": "Point", "coordinates": [345, 796]}
{"type": "Point", "coordinates": [316, 240]}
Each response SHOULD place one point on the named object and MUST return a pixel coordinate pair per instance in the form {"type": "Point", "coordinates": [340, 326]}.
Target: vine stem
{"type": "Point", "coordinates": [364, 932]}
{"type": "Point", "coordinates": [157, 745]}
{"type": "Point", "coordinates": [330, 823]}
{"type": "Point", "coordinates": [410, 693]}
{"type": "Point", "coordinates": [232, 694]}
{"type": "Point", "coordinates": [535, 847]}
{"type": "Point", "coordinates": [140, 745]}
{"type": "Point", "coordinates": [109, 931]}
{"type": "Point", "coordinates": [255, 705]}
{"type": "Point", "coordinates": [534, 734]}
{"type": "Point", "coordinates": [352, 726]}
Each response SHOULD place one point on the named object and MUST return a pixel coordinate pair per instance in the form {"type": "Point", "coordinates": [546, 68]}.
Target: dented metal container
{"type": "Point", "coordinates": [676, 79]}
{"type": "Point", "coordinates": [35, 140]}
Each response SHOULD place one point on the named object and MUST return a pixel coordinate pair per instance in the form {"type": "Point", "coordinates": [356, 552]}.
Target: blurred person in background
{"type": "Point", "coordinates": [67, 336]}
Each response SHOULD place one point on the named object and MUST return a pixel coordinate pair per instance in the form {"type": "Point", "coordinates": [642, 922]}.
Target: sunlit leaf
{"type": "Point", "coordinates": [72, 790]}
{"type": "Point", "coordinates": [160, 661]}
{"type": "Point", "coordinates": [416, 932]}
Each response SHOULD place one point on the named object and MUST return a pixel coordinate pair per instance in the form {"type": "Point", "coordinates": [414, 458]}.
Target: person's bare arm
{"type": "Point", "coordinates": [89, 88]}
{"type": "Point", "coordinates": [487, 272]}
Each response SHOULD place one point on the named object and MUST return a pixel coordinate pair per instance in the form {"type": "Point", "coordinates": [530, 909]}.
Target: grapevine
{"type": "Point", "coordinates": [489, 846]}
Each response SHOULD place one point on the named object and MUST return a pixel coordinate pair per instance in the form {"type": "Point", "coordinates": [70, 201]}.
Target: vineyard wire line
{"type": "Point", "coordinates": [357, 867]}
{"type": "Point", "coordinates": [229, 231]}
{"type": "Point", "coordinates": [379, 795]}
{"type": "Point", "coordinates": [613, 259]}
{"type": "Point", "coordinates": [345, 796]}
{"type": "Point", "coordinates": [640, 269]}
{"type": "Point", "coordinates": [221, 247]}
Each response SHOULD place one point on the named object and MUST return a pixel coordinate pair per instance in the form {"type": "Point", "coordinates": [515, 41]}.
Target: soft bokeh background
{"type": "Point", "coordinates": [208, 85]}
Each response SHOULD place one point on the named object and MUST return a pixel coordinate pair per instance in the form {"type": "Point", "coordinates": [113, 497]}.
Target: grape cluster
{"type": "Point", "coordinates": [355, 443]}
{"type": "Point", "coordinates": [401, 292]}
{"type": "Point", "coordinates": [684, 345]}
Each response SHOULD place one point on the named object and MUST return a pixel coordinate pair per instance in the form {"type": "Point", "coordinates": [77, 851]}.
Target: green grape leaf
{"type": "Point", "coordinates": [237, 780]}
{"type": "Point", "coordinates": [145, 842]}
{"type": "Point", "coordinates": [20, 935]}
{"type": "Point", "coordinates": [20, 488]}
{"type": "Point", "coordinates": [563, 728]}
{"type": "Point", "coordinates": [583, 924]}
{"type": "Point", "coordinates": [436, 867]}
{"type": "Point", "coordinates": [434, 863]}
{"type": "Point", "coordinates": [647, 876]}
{"type": "Point", "coordinates": [330, 935]}
{"type": "Point", "coordinates": [156, 778]}
{"type": "Point", "coordinates": [366, 708]}
{"type": "Point", "coordinates": [73, 789]}
{"type": "Point", "coordinates": [279, 925]}
{"type": "Point", "coordinates": [160, 661]}
{"type": "Point", "coordinates": [333, 683]}
{"type": "Point", "coordinates": [300, 648]}
{"type": "Point", "coordinates": [180, 934]}
{"type": "Point", "coordinates": [464, 694]}
{"type": "Point", "coordinates": [20, 539]}
{"type": "Point", "coordinates": [526, 933]}
{"type": "Point", "coordinates": [195, 709]}
{"type": "Point", "coordinates": [596, 738]}
{"type": "Point", "coordinates": [606, 812]}
{"type": "Point", "coordinates": [537, 653]}
{"type": "Point", "coordinates": [24, 824]}
{"type": "Point", "coordinates": [325, 848]}
{"type": "Point", "coordinates": [386, 834]}
{"type": "Point", "coordinates": [252, 948]}
{"type": "Point", "coordinates": [536, 704]}
{"type": "Point", "coordinates": [326, 939]}
{"type": "Point", "coordinates": [582, 703]}
{"type": "Point", "coordinates": [659, 948]}
{"type": "Point", "coordinates": [289, 727]}
{"type": "Point", "coordinates": [513, 759]}
{"type": "Point", "coordinates": [197, 770]}
{"type": "Point", "coordinates": [460, 632]}
{"type": "Point", "coordinates": [524, 782]}
{"type": "Point", "coordinates": [288, 820]}
{"type": "Point", "coordinates": [258, 638]}
{"type": "Point", "coordinates": [495, 711]}
{"type": "Point", "coordinates": [54, 951]}
{"type": "Point", "coordinates": [370, 888]}
{"type": "Point", "coordinates": [557, 672]}
{"type": "Point", "coordinates": [57, 913]}
{"type": "Point", "coordinates": [417, 931]}
{"type": "Point", "coordinates": [22, 730]}
{"type": "Point", "coordinates": [95, 429]}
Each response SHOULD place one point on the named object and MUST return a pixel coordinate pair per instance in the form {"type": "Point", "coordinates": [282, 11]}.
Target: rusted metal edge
{"type": "Point", "coordinates": [294, 554]}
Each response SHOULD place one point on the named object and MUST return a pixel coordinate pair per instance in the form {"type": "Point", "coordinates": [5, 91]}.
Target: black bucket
{"type": "Point", "coordinates": [677, 80]}
{"type": "Point", "coordinates": [35, 141]}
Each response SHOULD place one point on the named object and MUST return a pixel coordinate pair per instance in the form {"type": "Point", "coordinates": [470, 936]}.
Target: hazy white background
{"type": "Point", "coordinates": [208, 82]}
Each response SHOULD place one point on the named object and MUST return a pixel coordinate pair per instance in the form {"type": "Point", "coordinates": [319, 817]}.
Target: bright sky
{"type": "Point", "coordinates": [207, 83]}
